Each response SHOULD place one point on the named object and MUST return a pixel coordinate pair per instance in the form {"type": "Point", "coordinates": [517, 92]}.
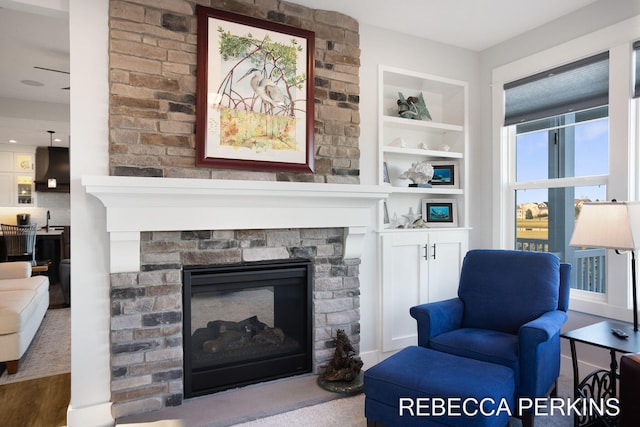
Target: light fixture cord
{"type": "Point", "coordinates": [634, 291]}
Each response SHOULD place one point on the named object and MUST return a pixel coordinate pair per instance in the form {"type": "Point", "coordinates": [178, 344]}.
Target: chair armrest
{"type": "Point", "coordinates": [436, 318]}
{"type": "Point", "coordinates": [539, 353]}
{"type": "Point", "coordinates": [15, 270]}
{"type": "Point", "coordinates": [543, 328]}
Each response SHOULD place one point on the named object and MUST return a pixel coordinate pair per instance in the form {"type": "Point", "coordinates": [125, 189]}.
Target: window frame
{"type": "Point", "coordinates": [623, 181]}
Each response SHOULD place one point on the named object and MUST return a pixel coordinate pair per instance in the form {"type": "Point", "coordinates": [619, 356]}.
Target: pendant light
{"type": "Point", "coordinates": [52, 182]}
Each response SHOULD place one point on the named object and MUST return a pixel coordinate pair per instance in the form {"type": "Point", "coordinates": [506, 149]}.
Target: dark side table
{"type": "Point", "coordinates": [600, 384]}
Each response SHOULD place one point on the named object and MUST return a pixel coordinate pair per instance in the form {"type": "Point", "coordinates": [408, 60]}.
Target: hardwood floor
{"type": "Point", "coordinates": [41, 402]}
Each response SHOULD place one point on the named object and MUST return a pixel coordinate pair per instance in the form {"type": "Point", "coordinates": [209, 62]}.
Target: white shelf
{"type": "Point", "coordinates": [432, 190]}
{"type": "Point", "coordinates": [421, 152]}
{"type": "Point", "coordinates": [427, 125]}
{"type": "Point", "coordinates": [389, 230]}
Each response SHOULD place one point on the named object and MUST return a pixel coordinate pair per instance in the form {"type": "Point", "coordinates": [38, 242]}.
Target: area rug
{"type": "Point", "coordinates": [49, 352]}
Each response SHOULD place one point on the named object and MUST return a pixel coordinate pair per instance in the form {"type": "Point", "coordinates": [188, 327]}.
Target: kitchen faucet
{"type": "Point", "coordinates": [48, 218]}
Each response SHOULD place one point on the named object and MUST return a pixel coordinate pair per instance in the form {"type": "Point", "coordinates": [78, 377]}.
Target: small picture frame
{"type": "Point", "coordinates": [385, 213]}
{"type": "Point", "coordinates": [385, 174]}
{"type": "Point", "coordinates": [440, 212]}
{"type": "Point", "coordinates": [445, 174]}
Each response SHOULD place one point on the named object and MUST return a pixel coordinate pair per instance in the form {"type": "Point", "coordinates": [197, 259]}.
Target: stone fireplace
{"type": "Point", "coordinates": [158, 225]}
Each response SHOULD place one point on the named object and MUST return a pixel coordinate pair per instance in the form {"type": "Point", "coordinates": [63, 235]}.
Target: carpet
{"type": "Point", "coordinates": [41, 402]}
{"type": "Point", "coordinates": [345, 412]}
{"type": "Point", "coordinates": [49, 352]}
{"type": "Point", "coordinates": [349, 412]}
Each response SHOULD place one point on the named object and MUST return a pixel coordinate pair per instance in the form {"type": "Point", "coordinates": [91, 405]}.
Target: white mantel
{"type": "Point", "coordinates": [136, 204]}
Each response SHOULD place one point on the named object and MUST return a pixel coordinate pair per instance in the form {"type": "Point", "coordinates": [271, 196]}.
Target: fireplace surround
{"type": "Point", "coordinates": [156, 225]}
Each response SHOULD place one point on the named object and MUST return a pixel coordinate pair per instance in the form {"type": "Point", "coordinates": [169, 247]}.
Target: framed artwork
{"type": "Point", "coordinates": [254, 93]}
{"type": "Point", "coordinates": [440, 212]}
{"type": "Point", "coordinates": [445, 174]}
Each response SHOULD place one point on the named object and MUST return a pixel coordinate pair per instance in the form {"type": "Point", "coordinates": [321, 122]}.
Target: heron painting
{"type": "Point", "coordinates": [257, 91]}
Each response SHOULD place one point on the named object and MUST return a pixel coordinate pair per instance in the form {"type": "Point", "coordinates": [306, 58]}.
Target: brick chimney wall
{"type": "Point", "coordinates": [153, 89]}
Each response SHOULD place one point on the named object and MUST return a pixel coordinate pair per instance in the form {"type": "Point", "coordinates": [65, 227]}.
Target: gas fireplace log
{"type": "Point", "coordinates": [232, 335]}
{"type": "Point", "coordinates": [251, 324]}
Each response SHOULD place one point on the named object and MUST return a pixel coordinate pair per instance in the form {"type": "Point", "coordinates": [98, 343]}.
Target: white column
{"type": "Point", "coordinates": [90, 314]}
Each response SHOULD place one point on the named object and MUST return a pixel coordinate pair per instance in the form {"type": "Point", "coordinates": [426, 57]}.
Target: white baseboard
{"type": "Point", "coordinates": [94, 415]}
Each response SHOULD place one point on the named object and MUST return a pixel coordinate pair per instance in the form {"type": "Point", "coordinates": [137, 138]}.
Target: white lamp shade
{"type": "Point", "coordinates": [611, 225]}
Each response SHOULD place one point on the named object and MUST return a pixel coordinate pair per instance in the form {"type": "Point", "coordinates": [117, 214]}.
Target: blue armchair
{"type": "Point", "coordinates": [509, 311]}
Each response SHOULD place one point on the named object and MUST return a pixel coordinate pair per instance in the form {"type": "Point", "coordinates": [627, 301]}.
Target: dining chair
{"type": "Point", "coordinates": [20, 242]}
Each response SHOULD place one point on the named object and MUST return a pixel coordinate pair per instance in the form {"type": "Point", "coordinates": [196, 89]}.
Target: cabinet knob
{"type": "Point", "coordinates": [426, 252]}
{"type": "Point", "coordinates": [434, 251]}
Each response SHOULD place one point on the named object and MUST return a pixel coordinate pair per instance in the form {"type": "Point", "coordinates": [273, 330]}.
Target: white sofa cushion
{"type": "Point", "coordinates": [16, 309]}
{"type": "Point", "coordinates": [38, 284]}
{"type": "Point", "coordinates": [15, 270]}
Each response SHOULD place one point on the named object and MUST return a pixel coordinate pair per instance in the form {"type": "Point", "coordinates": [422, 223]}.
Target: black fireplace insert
{"type": "Point", "coordinates": [245, 323]}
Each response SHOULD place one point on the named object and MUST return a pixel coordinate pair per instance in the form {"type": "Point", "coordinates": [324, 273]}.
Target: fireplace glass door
{"type": "Point", "coordinates": [245, 323]}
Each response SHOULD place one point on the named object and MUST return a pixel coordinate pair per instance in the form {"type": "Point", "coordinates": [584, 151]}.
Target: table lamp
{"type": "Point", "coordinates": [611, 225]}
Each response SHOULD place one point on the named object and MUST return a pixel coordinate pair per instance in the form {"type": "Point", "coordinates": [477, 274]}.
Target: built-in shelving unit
{"type": "Point", "coordinates": [443, 140]}
{"type": "Point", "coordinates": [419, 265]}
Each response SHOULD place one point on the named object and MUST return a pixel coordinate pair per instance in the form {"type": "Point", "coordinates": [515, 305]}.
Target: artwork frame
{"type": "Point", "coordinates": [440, 212]}
{"type": "Point", "coordinates": [445, 174]}
{"type": "Point", "coordinates": [241, 121]}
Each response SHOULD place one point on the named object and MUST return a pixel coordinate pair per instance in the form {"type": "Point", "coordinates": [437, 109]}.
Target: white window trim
{"type": "Point", "coordinates": [624, 134]}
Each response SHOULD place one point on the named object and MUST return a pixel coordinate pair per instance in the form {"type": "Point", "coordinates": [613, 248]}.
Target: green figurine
{"type": "Point", "coordinates": [413, 107]}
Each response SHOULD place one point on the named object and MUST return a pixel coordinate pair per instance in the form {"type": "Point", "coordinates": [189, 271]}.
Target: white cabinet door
{"type": "Point", "coordinates": [446, 250]}
{"type": "Point", "coordinates": [6, 189]}
{"type": "Point", "coordinates": [417, 267]}
{"type": "Point", "coordinates": [404, 284]}
{"type": "Point", "coordinates": [6, 161]}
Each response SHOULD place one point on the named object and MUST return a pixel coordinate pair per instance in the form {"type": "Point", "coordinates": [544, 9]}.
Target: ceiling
{"type": "Point", "coordinates": [33, 100]}
{"type": "Point", "coordinates": [470, 24]}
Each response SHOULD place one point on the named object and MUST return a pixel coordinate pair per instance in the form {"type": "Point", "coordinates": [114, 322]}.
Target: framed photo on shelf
{"type": "Point", "coordinates": [385, 213]}
{"type": "Point", "coordinates": [445, 174]}
{"type": "Point", "coordinates": [385, 173]}
{"type": "Point", "coordinates": [440, 212]}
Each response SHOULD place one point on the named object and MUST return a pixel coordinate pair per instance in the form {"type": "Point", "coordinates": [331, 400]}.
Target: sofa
{"type": "Point", "coordinates": [24, 300]}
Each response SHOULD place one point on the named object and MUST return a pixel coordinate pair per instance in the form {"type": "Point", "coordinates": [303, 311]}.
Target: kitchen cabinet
{"type": "Point", "coordinates": [17, 179]}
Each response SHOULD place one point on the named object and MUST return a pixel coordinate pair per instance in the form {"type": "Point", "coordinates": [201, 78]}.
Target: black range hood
{"type": "Point", "coordinates": [52, 163]}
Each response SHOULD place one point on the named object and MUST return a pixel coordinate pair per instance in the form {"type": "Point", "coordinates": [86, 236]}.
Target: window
{"type": "Point", "coordinates": [559, 127]}
{"type": "Point", "coordinates": [554, 157]}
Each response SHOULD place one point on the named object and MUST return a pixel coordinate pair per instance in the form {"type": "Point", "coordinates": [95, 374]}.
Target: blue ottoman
{"type": "Point", "coordinates": [422, 387]}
